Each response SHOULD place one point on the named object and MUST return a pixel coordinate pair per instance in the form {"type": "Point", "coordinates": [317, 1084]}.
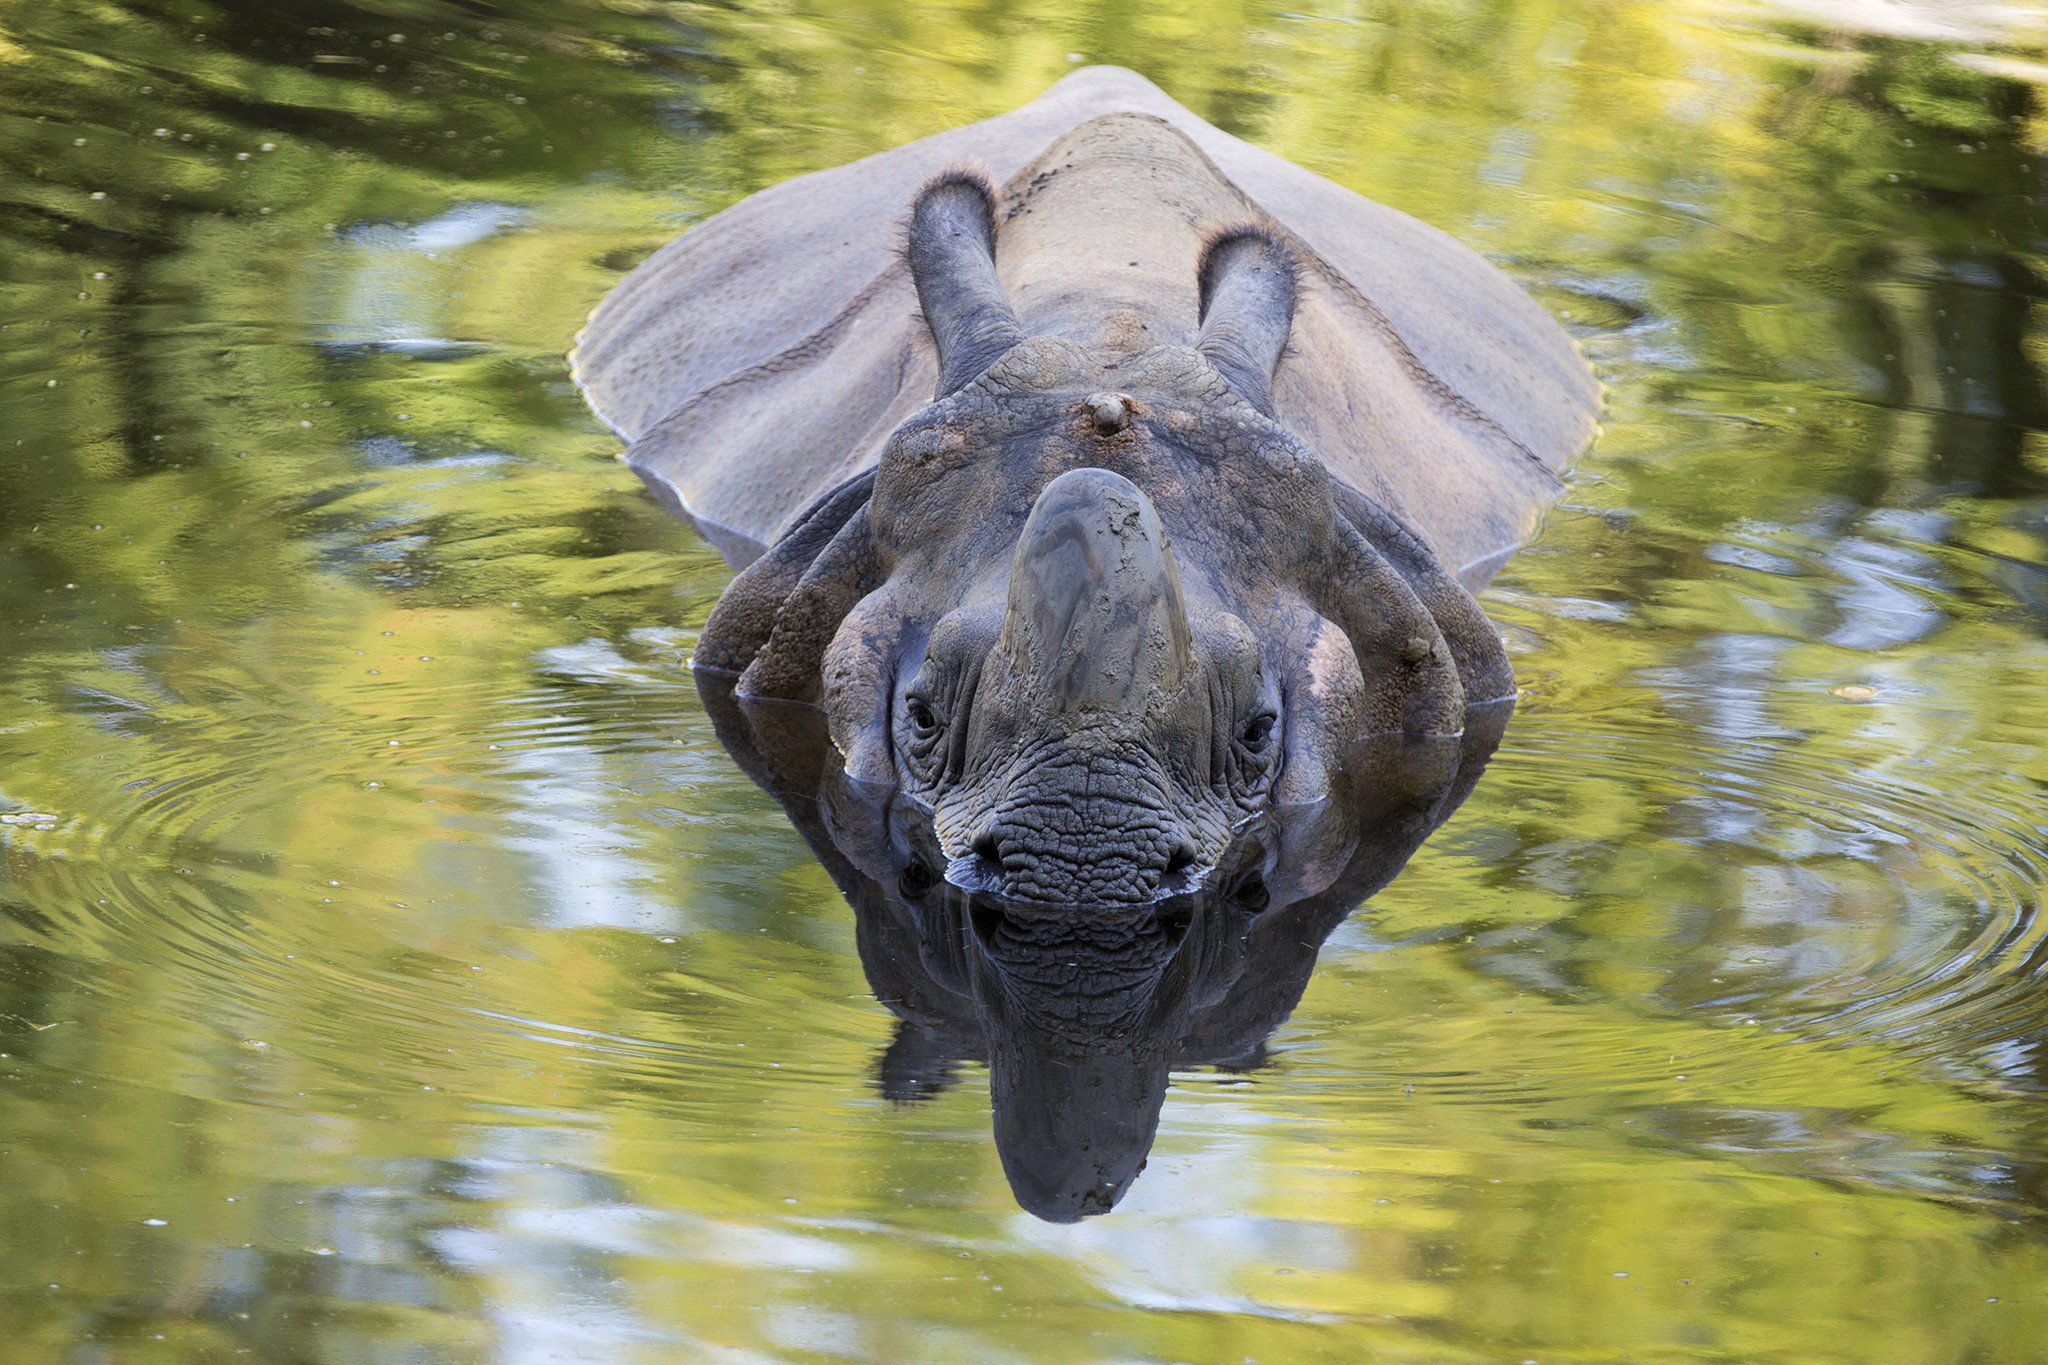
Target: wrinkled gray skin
{"type": "Point", "coordinates": [1103, 531]}
{"type": "Point", "coordinates": [1099, 610]}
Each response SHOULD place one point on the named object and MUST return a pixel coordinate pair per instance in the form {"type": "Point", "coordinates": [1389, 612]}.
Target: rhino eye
{"type": "Point", "coordinates": [1257, 731]}
{"type": "Point", "coordinates": [922, 748]}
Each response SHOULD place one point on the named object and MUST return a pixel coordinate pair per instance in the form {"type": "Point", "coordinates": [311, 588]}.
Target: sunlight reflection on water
{"type": "Point", "coordinates": [395, 966]}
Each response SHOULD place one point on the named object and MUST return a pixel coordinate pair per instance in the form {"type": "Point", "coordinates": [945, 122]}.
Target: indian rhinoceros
{"type": "Point", "coordinates": [1100, 475]}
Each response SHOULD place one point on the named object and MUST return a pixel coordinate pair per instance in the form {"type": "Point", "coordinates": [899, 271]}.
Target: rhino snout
{"type": "Point", "coordinates": [1087, 853]}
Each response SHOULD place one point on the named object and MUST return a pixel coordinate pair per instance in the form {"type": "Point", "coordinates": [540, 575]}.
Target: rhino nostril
{"type": "Point", "coordinates": [1182, 857]}
{"type": "Point", "coordinates": [916, 879]}
{"type": "Point", "coordinates": [986, 847]}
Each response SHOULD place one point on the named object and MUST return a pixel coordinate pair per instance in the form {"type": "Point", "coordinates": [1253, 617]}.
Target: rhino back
{"type": "Point", "coordinates": [1101, 236]}
{"type": "Point", "coordinates": [765, 356]}
{"type": "Point", "coordinates": [1102, 231]}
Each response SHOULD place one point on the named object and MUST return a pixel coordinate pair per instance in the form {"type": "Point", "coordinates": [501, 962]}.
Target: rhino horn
{"type": "Point", "coordinates": [1096, 619]}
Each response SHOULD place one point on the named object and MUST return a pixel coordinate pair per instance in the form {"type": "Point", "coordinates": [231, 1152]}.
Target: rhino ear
{"type": "Point", "coordinates": [952, 255]}
{"type": "Point", "coordinates": [1246, 285]}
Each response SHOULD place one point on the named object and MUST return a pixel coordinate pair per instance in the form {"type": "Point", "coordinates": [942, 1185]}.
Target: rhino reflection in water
{"type": "Point", "coordinates": [1081, 1012]}
{"type": "Point", "coordinates": [1103, 497]}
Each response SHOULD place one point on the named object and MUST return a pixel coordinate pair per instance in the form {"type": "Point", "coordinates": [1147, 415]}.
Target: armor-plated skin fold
{"type": "Point", "coordinates": [1101, 513]}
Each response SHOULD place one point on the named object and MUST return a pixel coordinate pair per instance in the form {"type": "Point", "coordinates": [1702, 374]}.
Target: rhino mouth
{"type": "Point", "coordinates": [1123, 882]}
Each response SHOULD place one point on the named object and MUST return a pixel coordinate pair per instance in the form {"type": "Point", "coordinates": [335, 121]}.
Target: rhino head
{"type": "Point", "coordinates": [1096, 607]}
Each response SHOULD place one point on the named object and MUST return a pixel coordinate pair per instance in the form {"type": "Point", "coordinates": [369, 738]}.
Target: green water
{"type": "Point", "coordinates": [395, 968]}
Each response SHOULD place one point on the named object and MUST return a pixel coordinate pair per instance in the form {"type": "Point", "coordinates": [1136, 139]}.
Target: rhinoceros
{"type": "Point", "coordinates": [1101, 476]}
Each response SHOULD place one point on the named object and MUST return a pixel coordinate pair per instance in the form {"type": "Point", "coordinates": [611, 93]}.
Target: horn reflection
{"type": "Point", "coordinates": [1082, 1015]}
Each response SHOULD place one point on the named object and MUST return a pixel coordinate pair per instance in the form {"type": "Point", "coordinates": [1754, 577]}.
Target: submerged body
{"type": "Point", "coordinates": [1102, 508]}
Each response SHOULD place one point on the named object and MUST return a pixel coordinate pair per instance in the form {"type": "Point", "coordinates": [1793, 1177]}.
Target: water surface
{"type": "Point", "coordinates": [395, 968]}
